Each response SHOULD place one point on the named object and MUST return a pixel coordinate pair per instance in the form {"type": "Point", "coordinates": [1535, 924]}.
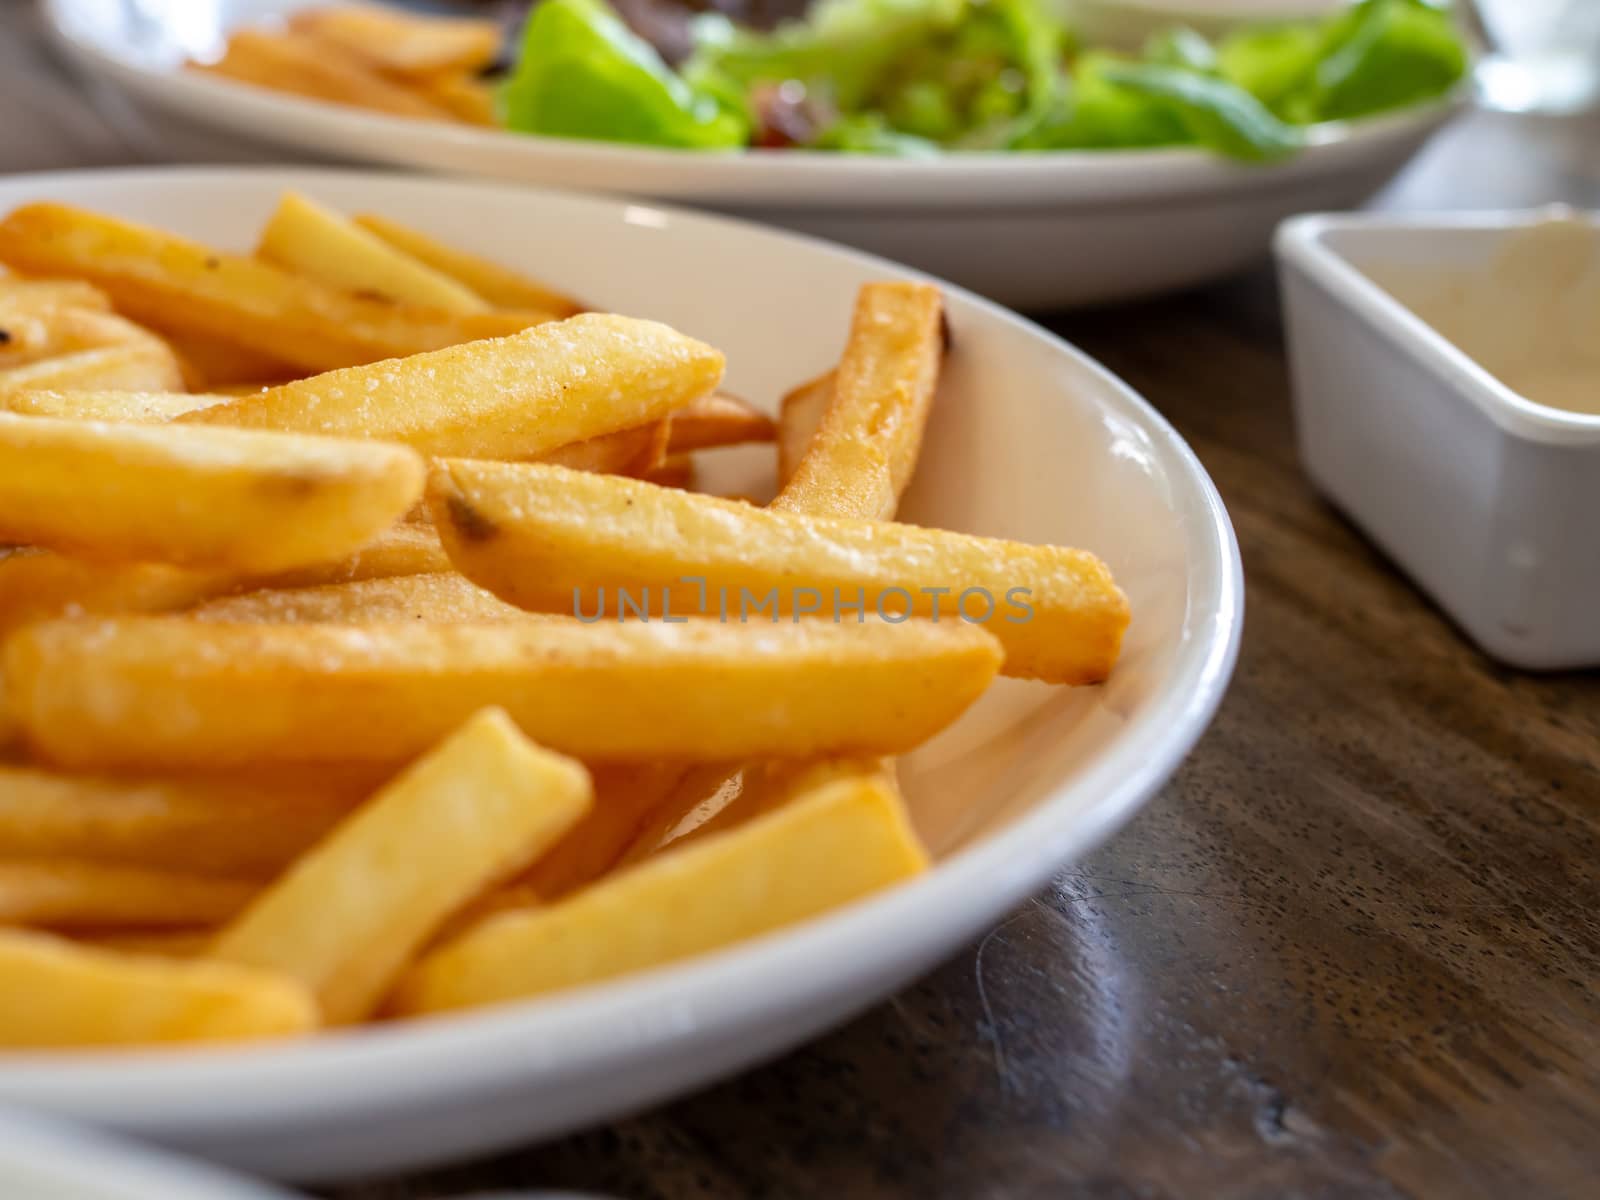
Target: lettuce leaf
{"type": "Point", "coordinates": [584, 74]}
{"type": "Point", "coordinates": [1216, 113]}
{"type": "Point", "coordinates": [1382, 55]}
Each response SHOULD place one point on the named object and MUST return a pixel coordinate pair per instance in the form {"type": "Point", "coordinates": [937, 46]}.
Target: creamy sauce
{"type": "Point", "coordinates": [1530, 317]}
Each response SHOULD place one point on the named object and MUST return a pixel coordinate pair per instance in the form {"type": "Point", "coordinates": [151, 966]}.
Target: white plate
{"type": "Point", "coordinates": [1030, 230]}
{"type": "Point", "coordinates": [1030, 439]}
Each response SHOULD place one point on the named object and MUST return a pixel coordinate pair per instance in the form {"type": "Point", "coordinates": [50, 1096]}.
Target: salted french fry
{"type": "Point", "coordinates": [636, 451]}
{"type": "Point", "coordinates": [141, 408]}
{"type": "Point", "coordinates": [862, 455]}
{"type": "Point", "coordinates": [551, 539]}
{"type": "Point", "coordinates": [798, 420]}
{"type": "Point", "coordinates": [230, 498]}
{"type": "Point", "coordinates": [497, 284]}
{"type": "Point", "coordinates": [38, 584]}
{"type": "Point", "coordinates": [402, 42]}
{"type": "Point", "coordinates": [54, 993]}
{"type": "Point", "coordinates": [314, 241]}
{"type": "Point", "coordinates": [63, 893]}
{"type": "Point", "coordinates": [444, 597]}
{"type": "Point", "coordinates": [170, 282]}
{"type": "Point", "coordinates": [468, 98]}
{"type": "Point", "coordinates": [515, 397]}
{"type": "Point", "coordinates": [244, 826]}
{"type": "Point", "coordinates": [158, 693]}
{"type": "Point", "coordinates": [310, 67]}
{"type": "Point", "coordinates": [845, 840]}
{"type": "Point", "coordinates": [718, 420]}
{"type": "Point", "coordinates": [146, 366]}
{"type": "Point", "coordinates": [344, 921]}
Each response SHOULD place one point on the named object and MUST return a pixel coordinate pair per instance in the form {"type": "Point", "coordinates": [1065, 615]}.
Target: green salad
{"type": "Point", "coordinates": [922, 77]}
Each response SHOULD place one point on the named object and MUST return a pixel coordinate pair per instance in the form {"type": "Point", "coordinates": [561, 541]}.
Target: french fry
{"type": "Point", "coordinates": [344, 921]}
{"type": "Point", "coordinates": [311, 240]}
{"type": "Point", "coordinates": [861, 457]}
{"type": "Point", "coordinates": [547, 538]}
{"type": "Point", "coordinates": [229, 498]}
{"type": "Point", "coordinates": [443, 597]}
{"type": "Point", "coordinates": [466, 97]}
{"type": "Point", "coordinates": [499, 285]}
{"type": "Point", "coordinates": [636, 451]}
{"type": "Point", "coordinates": [213, 364]}
{"type": "Point", "coordinates": [52, 334]}
{"type": "Point", "coordinates": [38, 584]}
{"type": "Point", "coordinates": [310, 67]}
{"type": "Point", "coordinates": [73, 893]}
{"type": "Point", "coordinates": [45, 295]}
{"type": "Point", "coordinates": [141, 408]}
{"type": "Point", "coordinates": [844, 840]}
{"type": "Point", "coordinates": [798, 420]}
{"type": "Point", "coordinates": [676, 470]}
{"type": "Point", "coordinates": [54, 993]}
{"type": "Point", "coordinates": [248, 827]}
{"type": "Point", "coordinates": [158, 693]}
{"type": "Point", "coordinates": [169, 282]}
{"type": "Point", "coordinates": [515, 397]}
{"type": "Point", "coordinates": [146, 366]}
{"type": "Point", "coordinates": [718, 420]}
{"type": "Point", "coordinates": [404, 43]}
{"type": "Point", "coordinates": [697, 795]}
{"type": "Point", "coordinates": [158, 943]}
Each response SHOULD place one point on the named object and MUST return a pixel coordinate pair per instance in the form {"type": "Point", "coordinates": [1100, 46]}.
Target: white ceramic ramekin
{"type": "Point", "coordinates": [1490, 501]}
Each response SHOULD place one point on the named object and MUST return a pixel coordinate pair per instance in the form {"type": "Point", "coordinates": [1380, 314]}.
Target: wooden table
{"type": "Point", "coordinates": [1351, 951]}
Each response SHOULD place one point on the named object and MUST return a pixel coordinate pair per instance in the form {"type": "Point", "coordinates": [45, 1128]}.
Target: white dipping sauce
{"type": "Point", "coordinates": [1530, 317]}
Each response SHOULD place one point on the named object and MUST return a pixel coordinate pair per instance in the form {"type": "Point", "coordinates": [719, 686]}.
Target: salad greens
{"type": "Point", "coordinates": [916, 77]}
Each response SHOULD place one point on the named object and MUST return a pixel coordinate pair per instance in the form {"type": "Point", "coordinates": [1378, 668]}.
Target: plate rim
{"type": "Point", "coordinates": [429, 1061]}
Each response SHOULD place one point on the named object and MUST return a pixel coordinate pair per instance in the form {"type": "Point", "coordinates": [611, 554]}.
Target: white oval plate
{"type": "Point", "coordinates": [1030, 439]}
{"type": "Point", "coordinates": [1030, 230]}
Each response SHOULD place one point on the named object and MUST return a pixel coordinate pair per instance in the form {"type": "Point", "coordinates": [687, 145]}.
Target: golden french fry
{"type": "Point", "coordinates": [466, 97]}
{"type": "Point", "coordinates": [158, 943]}
{"type": "Point", "coordinates": [153, 692]}
{"type": "Point", "coordinates": [844, 840]}
{"type": "Point", "coordinates": [676, 470]}
{"type": "Point", "coordinates": [66, 893]}
{"type": "Point", "coordinates": [55, 993]}
{"type": "Point", "coordinates": [146, 366]}
{"type": "Point", "coordinates": [405, 43]}
{"type": "Point", "coordinates": [310, 67]}
{"type": "Point", "coordinates": [314, 241]}
{"type": "Point", "coordinates": [444, 597]}
{"type": "Point", "coordinates": [37, 584]}
{"type": "Point", "coordinates": [798, 420]}
{"type": "Point", "coordinates": [233, 826]}
{"type": "Point", "coordinates": [718, 420]}
{"type": "Point", "coordinates": [141, 408]}
{"type": "Point", "coordinates": [212, 364]}
{"type": "Point", "coordinates": [498, 285]}
{"type": "Point", "coordinates": [170, 282]}
{"type": "Point", "coordinates": [46, 295]}
{"type": "Point", "coordinates": [515, 397]}
{"type": "Point", "coordinates": [547, 538]}
{"type": "Point", "coordinates": [862, 455]}
{"type": "Point", "coordinates": [64, 331]}
{"type": "Point", "coordinates": [698, 794]}
{"type": "Point", "coordinates": [636, 451]}
{"type": "Point", "coordinates": [231, 498]}
{"type": "Point", "coordinates": [344, 921]}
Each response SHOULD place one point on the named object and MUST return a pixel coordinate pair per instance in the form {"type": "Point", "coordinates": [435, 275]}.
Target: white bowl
{"type": "Point", "coordinates": [1030, 230]}
{"type": "Point", "coordinates": [1030, 439]}
{"type": "Point", "coordinates": [1485, 497]}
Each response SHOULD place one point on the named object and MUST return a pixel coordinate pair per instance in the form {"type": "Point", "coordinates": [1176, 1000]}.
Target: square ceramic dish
{"type": "Point", "coordinates": [1485, 497]}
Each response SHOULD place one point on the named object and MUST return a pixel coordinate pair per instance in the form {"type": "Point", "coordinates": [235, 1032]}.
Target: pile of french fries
{"type": "Point", "coordinates": [369, 56]}
{"type": "Point", "coordinates": [306, 716]}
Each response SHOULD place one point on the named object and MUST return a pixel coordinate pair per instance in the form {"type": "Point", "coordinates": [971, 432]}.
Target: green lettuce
{"type": "Point", "coordinates": [584, 74]}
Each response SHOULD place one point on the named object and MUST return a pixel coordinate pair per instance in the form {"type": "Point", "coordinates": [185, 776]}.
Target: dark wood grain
{"type": "Point", "coordinates": [1352, 950]}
